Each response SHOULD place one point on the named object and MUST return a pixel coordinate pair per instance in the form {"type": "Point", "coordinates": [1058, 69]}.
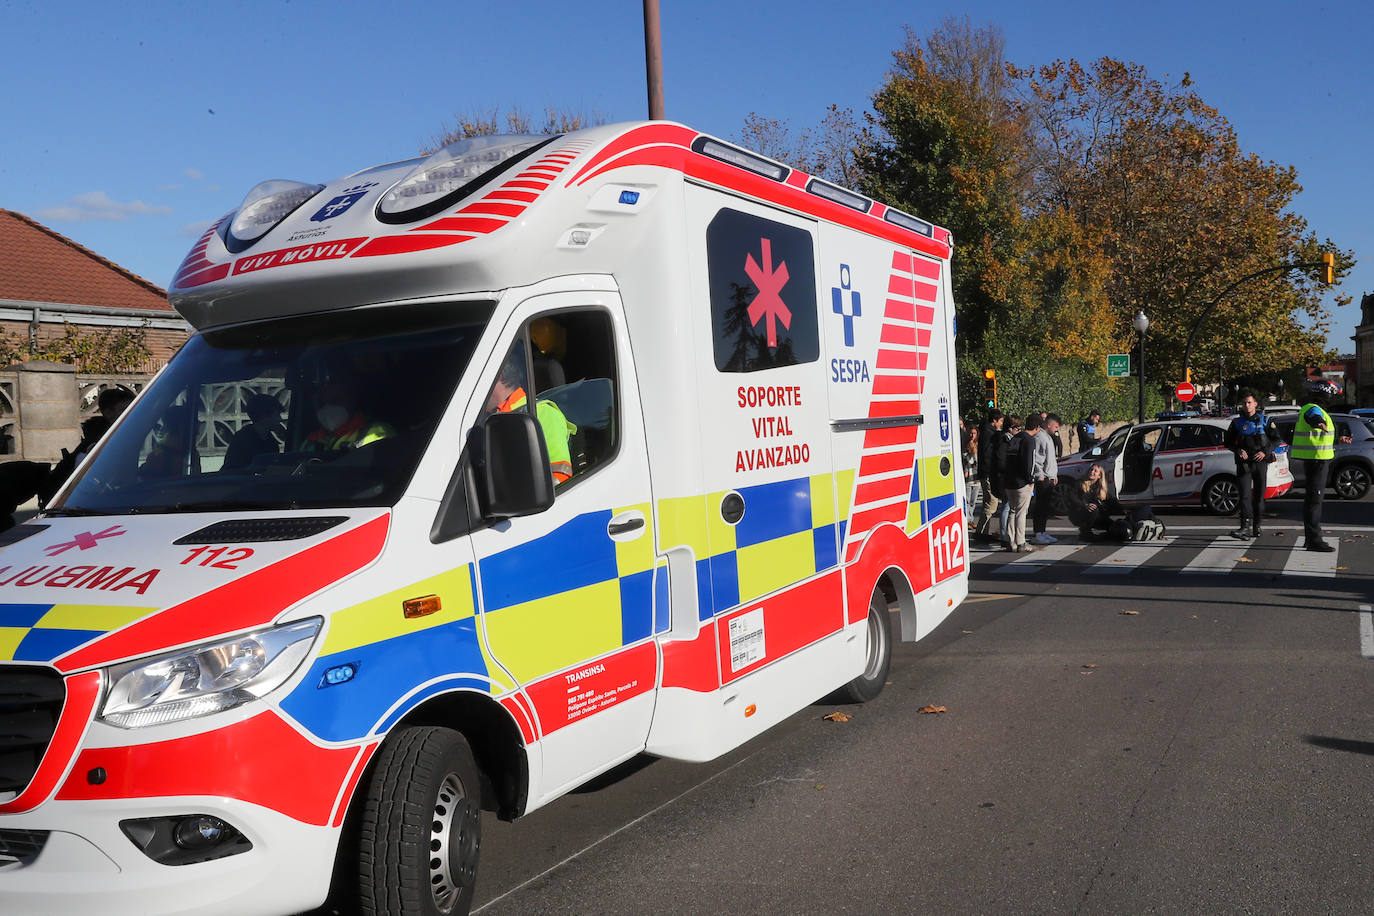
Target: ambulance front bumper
{"type": "Point", "coordinates": [86, 864]}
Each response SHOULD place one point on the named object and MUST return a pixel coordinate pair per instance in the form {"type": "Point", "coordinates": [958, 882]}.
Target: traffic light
{"type": "Point", "coordinates": [1328, 268]}
{"type": "Point", "coordinates": [989, 388]}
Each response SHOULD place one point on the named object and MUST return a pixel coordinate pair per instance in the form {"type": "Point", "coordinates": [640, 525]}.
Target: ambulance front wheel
{"type": "Point", "coordinates": [879, 658]}
{"type": "Point", "coordinates": [421, 828]}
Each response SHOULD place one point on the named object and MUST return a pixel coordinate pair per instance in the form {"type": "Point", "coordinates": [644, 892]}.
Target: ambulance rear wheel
{"type": "Point", "coordinates": [879, 657]}
{"type": "Point", "coordinates": [421, 828]}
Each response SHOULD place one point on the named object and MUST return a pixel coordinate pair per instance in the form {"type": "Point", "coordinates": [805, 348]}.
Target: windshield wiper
{"type": "Point", "coordinates": [226, 505]}
{"type": "Point", "coordinates": [77, 511]}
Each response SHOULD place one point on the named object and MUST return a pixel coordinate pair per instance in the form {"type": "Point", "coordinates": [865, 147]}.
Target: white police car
{"type": "Point", "coordinates": [1173, 462]}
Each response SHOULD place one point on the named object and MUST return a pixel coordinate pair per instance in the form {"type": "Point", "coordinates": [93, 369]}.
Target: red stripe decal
{"type": "Point", "coordinates": [405, 244]}
{"type": "Point", "coordinates": [477, 225]}
{"type": "Point", "coordinates": [674, 134]}
{"type": "Point", "coordinates": [82, 692]}
{"type": "Point", "coordinates": [897, 359]}
{"type": "Point", "coordinates": [882, 490]}
{"type": "Point", "coordinates": [521, 717]}
{"type": "Point", "coordinates": [923, 268]}
{"type": "Point", "coordinates": [898, 334]}
{"type": "Point", "coordinates": [924, 292]}
{"type": "Point", "coordinates": [575, 695]}
{"type": "Point", "coordinates": [899, 285]}
{"type": "Point", "coordinates": [527, 197]}
{"type": "Point", "coordinates": [531, 185]}
{"type": "Point", "coordinates": [691, 663]}
{"type": "Point", "coordinates": [261, 760]}
{"type": "Point", "coordinates": [359, 767]}
{"type": "Point", "coordinates": [880, 438]}
{"type": "Point", "coordinates": [252, 600]}
{"type": "Point", "coordinates": [861, 523]}
{"type": "Point", "coordinates": [492, 208]}
{"type": "Point", "coordinates": [877, 409]}
{"type": "Point", "coordinates": [899, 310]}
{"type": "Point", "coordinates": [792, 620]}
{"type": "Point", "coordinates": [886, 462]}
{"type": "Point", "coordinates": [897, 384]}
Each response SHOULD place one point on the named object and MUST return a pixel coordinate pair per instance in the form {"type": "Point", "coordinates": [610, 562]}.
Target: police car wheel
{"type": "Point", "coordinates": [421, 826]}
{"type": "Point", "coordinates": [1351, 481]}
{"type": "Point", "coordinates": [1221, 496]}
{"type": "Point", "coordinates": [879, 657]}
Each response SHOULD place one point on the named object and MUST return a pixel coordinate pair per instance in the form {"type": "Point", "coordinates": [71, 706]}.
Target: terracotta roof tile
{"type": "Point", "coordinates": [40, 265]}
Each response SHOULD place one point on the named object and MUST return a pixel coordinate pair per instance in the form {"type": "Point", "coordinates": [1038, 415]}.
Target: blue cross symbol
{"type": "Point", "coordinates": [837, 304]}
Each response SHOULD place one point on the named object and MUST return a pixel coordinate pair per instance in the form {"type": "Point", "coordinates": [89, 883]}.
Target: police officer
{"type": "Point", "coordinates": [1251, 438]}
{"type": "Point", "coordinates": [1314, 443]}
{"type": "Point", "coordinates": [1087, 430]}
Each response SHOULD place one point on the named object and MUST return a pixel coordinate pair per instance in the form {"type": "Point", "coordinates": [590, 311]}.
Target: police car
{"type": "Point", "coordinates": [1173, 462]}
{"type": "Point", "coordinates": [1352, 468]}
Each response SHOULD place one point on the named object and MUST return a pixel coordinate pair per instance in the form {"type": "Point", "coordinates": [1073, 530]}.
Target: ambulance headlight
{"type": "Point", "coordinates": [266, 205]}
{"type": "Point", "coordinates": [451, 174]}
{"type": "Point", "coordinates": [206, 679]}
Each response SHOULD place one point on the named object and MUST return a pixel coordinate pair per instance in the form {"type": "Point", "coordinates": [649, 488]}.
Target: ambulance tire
{"type": "Point", "coordinates": [879, 658]}
{"type": "Point", "coordinates": [421, 826]}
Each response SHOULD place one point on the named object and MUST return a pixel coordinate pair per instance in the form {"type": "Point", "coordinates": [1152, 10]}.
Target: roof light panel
{"type": "Point", "coordinates": [741, 158]}
{"type": "Point", "coordinates": [837, 194]}
{"type": "Point", "coordinates": [452, 173]}
{"type": "Point", "coordinates": [264, 207]}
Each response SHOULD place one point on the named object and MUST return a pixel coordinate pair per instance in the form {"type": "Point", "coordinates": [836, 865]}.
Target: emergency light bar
{"type": "Point", "coordinates": [450, 174]}
{"type": "Point", "coordinates": [742, 158]}
{"type": "Point", "coordinates": [838, 195]}
{"type": "Point", "coordinates": [897, 217]}
{"type": "Point", "coordinates": [267, 204]}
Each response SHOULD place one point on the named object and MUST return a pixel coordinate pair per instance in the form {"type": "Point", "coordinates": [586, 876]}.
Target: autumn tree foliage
{"type": "Point", "coordinates": [1078, 194]}
{"type": "Point", "coordinates": [513, 121]}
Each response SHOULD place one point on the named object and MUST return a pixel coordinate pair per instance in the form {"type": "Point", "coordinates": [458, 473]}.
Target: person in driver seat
{"type": "Point", "coordinates": [343, 425]}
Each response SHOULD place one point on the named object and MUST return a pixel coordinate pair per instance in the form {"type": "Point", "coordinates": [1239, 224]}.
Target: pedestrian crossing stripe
{"type": "Point", "coordinates": [1218, 556]}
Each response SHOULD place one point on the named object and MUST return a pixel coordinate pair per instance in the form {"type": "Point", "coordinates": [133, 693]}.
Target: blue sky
{"type": "Point", "coordinates": [128, 126]}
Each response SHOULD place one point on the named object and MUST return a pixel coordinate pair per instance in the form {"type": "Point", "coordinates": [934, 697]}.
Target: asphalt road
{"type": "Point", "coordinates": [1211, 752]}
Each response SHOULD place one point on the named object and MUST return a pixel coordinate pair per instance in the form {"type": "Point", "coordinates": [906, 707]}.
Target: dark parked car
{"type": "Point", "coordinates": [1353, 467]}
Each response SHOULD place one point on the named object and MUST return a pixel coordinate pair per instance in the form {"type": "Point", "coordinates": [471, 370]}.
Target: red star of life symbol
{"type": "Point", "coordinates": [768, 304]}
{"type": "Point", "coordinates": [85, 540]}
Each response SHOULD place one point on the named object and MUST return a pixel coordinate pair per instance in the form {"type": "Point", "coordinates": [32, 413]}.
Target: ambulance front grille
{"type": "Point", "coordinates": [30, 704]}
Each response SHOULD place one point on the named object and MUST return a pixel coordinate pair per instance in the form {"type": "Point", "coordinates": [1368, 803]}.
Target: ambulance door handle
{"type": "Point", "coordinates": [624, 525]}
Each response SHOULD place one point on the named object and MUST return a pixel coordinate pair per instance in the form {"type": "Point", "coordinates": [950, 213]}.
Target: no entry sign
{"type": "Point", "coordinates": [1185, 391]}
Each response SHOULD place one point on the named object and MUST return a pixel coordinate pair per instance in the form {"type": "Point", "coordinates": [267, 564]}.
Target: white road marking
{"type": "Point", "coordinates": [1046, 556]}
{"type": "Point", "coordinates": [1366, 631]}
{"type": "Point", "coordinates": [1219, 557]}
{"type": "Point", "coordinates": [1303, 562]}
{"type": "Point", "coordinates": [1128, 559]}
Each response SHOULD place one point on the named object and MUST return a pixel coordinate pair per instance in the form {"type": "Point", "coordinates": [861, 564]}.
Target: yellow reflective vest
{"type": "Point", "coordinates": [1312, 443]}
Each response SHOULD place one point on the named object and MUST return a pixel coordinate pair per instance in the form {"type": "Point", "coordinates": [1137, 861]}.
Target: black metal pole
{"type": "Point", "coordinates": [653, 59]}
{"type": "Point", "coordinates": [1188, 350]}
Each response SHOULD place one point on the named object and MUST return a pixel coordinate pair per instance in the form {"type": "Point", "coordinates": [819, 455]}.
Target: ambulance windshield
{"type": "Point", "coordinates": [322, 411]}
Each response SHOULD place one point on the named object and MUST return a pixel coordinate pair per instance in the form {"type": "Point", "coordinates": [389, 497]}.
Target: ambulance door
{"type": "Point", "coordinates": [567, 594]}
{"type": "Point", "coordinates": [765, 433]}
{"type": "Point", "coordinates": [942, 473]}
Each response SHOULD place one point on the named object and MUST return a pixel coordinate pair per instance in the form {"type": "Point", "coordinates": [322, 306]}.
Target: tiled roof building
{"type": "Point", "coordinates": [47, 280]}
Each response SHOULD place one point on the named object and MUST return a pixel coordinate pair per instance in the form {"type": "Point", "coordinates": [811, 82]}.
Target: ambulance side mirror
{"type": "Point", "coordinates": [503, 473]}
{"type": "Point", "coordinates": [510, 461]}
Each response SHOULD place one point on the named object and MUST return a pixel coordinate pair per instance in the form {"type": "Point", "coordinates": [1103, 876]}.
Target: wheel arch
{"type": "Point", "coordinates": [896, 589]}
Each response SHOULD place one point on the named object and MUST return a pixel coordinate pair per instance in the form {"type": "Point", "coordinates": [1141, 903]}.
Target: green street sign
{"type": "Point", "coordinates": [1118, 365]}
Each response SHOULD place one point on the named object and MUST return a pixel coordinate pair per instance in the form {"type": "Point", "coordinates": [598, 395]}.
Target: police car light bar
{"type": "Point", "coordinates": [267, 204]}
{"type": "Point", "coordinates": [742, 158]}
{"type": "Point", "coordinates": [839, 195]}
{"type": "Point", "coordinates": [449, 174]}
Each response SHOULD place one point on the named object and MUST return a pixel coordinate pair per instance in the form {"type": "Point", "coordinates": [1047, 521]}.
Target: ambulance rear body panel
{"type": "Point", "coordinates": [777, 440]}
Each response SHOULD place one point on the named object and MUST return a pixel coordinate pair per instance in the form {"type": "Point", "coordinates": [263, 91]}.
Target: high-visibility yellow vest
{"type": "Point", "coordinates": [1310, 442]}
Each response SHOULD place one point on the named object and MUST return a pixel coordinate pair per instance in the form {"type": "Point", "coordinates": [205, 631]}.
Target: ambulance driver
{"type": "Point", "coordinates": [508, 394]}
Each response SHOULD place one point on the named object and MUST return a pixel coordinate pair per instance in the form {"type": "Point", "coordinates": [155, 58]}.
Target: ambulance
{"type": "Point", "coordinates": [483, 473]}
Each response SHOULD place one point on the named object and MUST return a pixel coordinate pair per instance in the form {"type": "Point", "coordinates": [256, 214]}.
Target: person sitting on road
{"type": "Point", "coordinates": [1090, 505]}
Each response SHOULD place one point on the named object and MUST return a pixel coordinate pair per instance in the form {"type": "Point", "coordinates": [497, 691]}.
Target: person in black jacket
{"type": "Point", "coordinates": [988, 446]}
{"type": "Point", "coordinates": [1251, 438]}
{"type": "Point", "coordinates": [1089, 503]}
{"type": "Point", "coordinates": [1087, 430]}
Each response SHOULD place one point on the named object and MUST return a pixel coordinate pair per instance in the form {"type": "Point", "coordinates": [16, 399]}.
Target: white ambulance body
{"type": "Point", "coordinates": [311, 570]}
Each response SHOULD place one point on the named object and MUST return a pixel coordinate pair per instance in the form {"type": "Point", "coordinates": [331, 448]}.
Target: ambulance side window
{"type": "Point", "coordinates": [567, 359]}
{"type": "Point", "coordinates": [763, 293]}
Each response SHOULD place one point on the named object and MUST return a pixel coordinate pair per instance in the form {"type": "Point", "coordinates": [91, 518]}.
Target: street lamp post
{"type": "Point", "coordinates": [1141, 324]}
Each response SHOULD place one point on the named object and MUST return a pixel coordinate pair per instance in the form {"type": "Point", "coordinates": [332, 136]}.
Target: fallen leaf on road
{"type": "Point", "coordinates": [1278, 534]}
{"type": "Point", "coordinates": [1193, 617]}
{"type": "Point", "coordinates": [838, 717]}
{"type": "Point", "coordinates": [927, 710]}
{"type": "Point", "coordinates": [1244, 560]}
{"type": "Point", "coordinates": [1090, 666]}
{"type": "Point", "coordinates": [966, 632]}
{"type": "Point", "coordinates": [1086, 673]}
{"type": "Point", "coordinates": [1340, 568]}
{"type": "Point", "coordinates": [1130, 613]}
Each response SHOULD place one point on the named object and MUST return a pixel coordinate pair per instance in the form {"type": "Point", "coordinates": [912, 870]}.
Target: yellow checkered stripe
{"type": "Point", "coordinates": [555, 631]}
{"type": "Point", "coordinates": [30, 633]}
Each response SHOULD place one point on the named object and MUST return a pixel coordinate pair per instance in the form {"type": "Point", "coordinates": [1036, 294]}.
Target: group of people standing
{"type": "Point", "coordinates": [1016, 459]}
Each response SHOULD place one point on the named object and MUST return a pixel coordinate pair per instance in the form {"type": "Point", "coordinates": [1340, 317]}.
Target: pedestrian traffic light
{"type": "Point", "coordinates": [989, 388]}
{"type": "Point", "coordinates": [1328, 268]}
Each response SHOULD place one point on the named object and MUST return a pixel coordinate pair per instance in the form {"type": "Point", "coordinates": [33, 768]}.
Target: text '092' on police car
{"type": "Point", "coordinates": [482, 474]}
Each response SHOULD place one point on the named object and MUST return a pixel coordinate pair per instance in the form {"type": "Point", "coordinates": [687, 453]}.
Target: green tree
{"type": "Point", "coordinates": [513, 121]}
{"type": "Point", "coordinates": [105, 351]}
